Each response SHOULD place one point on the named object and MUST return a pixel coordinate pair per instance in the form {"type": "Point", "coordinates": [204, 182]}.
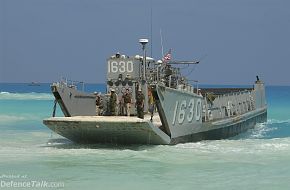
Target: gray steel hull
{"type": "Point", "coordinates": [124, 130]}
{"type": "Point", "coordinates": [223, 131]}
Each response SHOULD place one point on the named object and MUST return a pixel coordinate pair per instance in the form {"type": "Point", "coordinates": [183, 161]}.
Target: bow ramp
{"type": "Point", "coordinates": [113, 129]}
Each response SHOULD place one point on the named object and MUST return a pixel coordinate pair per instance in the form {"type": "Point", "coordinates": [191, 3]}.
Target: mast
{"type": "Point", "coordinates": [144, 85]}
{"type": "Point", "coordinates": [143, 42]}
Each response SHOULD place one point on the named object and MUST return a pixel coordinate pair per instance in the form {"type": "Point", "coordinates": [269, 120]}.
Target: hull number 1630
{"type": "Point", "coordinates": [120, 67]}
{"type": "Point", "coordinates": [187, 111]}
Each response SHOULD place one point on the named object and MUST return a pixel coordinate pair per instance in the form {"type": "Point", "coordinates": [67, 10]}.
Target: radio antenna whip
{"type": "Point", "coordinates": [151, 12]}
{"type": "Point", "coordinates": [161, 40]}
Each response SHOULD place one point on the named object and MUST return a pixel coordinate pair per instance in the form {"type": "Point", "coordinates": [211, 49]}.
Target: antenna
{"type": "Point", "coordinates": [143, 42]}
{"type": "Point", "coordinates": [161, 40]}
{"type": "Point", "coordinates": [151, 11]}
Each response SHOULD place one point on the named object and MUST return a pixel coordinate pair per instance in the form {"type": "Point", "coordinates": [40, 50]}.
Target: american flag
{"type": "Point", "coordinates": [167, 57]}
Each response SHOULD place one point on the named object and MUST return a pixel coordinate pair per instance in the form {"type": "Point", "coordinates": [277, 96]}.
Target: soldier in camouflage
{"type": "Point", "coordinates": [151, 104]}
{"type": "Point", "coordinates": [113, 102]}
{"type": "Point", "coordinates": [98, 104]}
{"type": "Point", "coordinates": [140, 104]}
{"type": "Point", "coordinates": [127, 102]}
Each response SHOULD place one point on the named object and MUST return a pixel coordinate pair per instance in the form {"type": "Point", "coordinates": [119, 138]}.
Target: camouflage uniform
{"type": "Point", "coordinates": [113, 103]}
{"type": "Point", "coordinates": [98, 104]}
{"type": "Point", "coordinates": [140, 105]}
{"type": "Point", "coordinates": [127, 102]}
{"type": "Point", "coordinates": [151, 104]}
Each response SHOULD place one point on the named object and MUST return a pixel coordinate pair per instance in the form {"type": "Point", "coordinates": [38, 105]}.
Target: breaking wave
{"type": "Point", "coordinates": [4, 119]}
{"type": "Point", "coordinates": [25, 96]}
{"type": "Point", "coordinates": [275, 121]}
{"type": "Point", "coordinates": [244, 146]}
{"type": "Point", "coordinates": [271, 136]}
{"type": "Point", "coordinates": [260, 131]}
{"type": "Point", "coordinates": [269, 130]}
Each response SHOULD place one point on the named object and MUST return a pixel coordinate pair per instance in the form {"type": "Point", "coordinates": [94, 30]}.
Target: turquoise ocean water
{"type": "Point", "coordinates": [29, 152]}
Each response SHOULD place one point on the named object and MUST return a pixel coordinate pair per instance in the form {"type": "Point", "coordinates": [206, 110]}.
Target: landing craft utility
{"type": "Point", "coordinates": [161, 106]}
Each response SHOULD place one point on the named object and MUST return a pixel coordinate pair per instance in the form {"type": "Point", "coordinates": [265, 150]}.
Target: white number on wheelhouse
{"type": "Point", "coordinates": [120, 67]}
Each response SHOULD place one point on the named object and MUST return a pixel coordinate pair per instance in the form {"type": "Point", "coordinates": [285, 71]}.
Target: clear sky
{"type": "Point", "coordinates": [42, 40]}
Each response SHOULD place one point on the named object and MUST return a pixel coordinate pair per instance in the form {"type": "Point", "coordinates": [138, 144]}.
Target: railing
{"type": "Point", "coordinates": [229, 104]}
{"type": "Point", "coordinates": [72, 83]}
{"type": "Point", "coordinates": [173, 81]}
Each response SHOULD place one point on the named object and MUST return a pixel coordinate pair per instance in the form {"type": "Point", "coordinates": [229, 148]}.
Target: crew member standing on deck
{"type": "Point", "coordinates": [98, 103]}
{"type": "Point", "coordinates": [151, 104]}
{"type": "Point", "coordinates": [127, 101]}
{"type": "Point", "coordinates": [140, 104]}
{"type": "Point", "coordinates": [113, 102]}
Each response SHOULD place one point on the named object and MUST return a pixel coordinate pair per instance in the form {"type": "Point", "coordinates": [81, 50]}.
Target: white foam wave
{"type": "Point", "coordinates": [273, 121]}
{"type": "Point", "coordinates": [261, 130]}
{"type": "Point", "coordinates": [25, 96]}
{"type": "Point", "coordinates": [246, 146]}
{"type": "Point", "coordinates": [17, 118]}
